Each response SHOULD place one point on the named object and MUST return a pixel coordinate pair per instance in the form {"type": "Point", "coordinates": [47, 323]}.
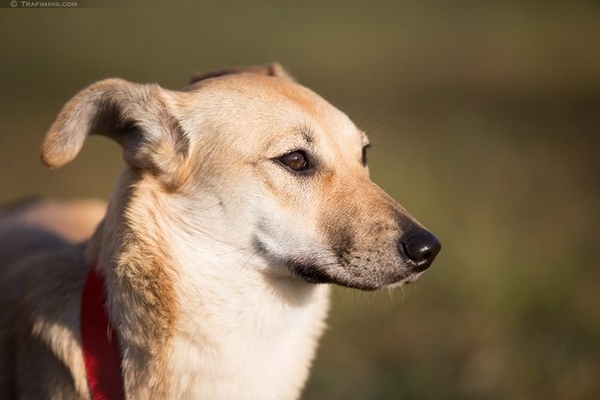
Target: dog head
{"type": "Point", "coordinates": [260, 163]}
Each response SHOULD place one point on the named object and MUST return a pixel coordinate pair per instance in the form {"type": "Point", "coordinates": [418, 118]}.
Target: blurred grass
{"type": "Point", "coordinates": [485, 123]}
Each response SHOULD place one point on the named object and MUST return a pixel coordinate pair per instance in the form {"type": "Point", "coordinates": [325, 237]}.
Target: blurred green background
{"type": "Point", "coordinates": [485, 123]}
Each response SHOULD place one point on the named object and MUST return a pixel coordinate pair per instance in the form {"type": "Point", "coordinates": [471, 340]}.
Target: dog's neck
{"type": "Point", "coordinates": [142, 304]}
{"type": "Point", "coordinates": [177, 300]}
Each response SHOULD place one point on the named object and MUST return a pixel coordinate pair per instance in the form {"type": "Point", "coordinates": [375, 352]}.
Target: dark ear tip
{"type": "Point", "coordinates": [272, 69]}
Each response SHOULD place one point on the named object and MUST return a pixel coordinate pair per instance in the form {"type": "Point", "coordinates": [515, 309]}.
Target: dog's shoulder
{"type": "Point", "coordinates": [42, 271]}
{"type": "Point", "coordinates": [40, 297]}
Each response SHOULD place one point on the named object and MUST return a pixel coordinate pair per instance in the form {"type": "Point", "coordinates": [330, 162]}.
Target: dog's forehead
{"type": "Point", "coordinates": [254, 100]}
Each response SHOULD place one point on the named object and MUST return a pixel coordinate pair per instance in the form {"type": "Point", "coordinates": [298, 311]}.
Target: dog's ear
{"type": "Point", "coordinates": [273, 69]}
{"type": "Point", "coordinates": [137, 116]}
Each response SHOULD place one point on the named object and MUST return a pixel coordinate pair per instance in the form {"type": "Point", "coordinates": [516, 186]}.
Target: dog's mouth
{"type": "Point", "coordinates": [338, 272]}
{"type": "Point", "coordinates": [374, 267]}
{"type": "Point", "coordinates": [374, 278]}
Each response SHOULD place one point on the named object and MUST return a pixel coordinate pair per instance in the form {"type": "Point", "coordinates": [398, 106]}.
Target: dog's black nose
{"type": "Point", "coordinates": [421, 248]}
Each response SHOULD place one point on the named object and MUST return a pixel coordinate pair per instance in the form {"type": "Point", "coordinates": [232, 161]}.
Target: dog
{"type": "Point", "coordinates": [243, 197]}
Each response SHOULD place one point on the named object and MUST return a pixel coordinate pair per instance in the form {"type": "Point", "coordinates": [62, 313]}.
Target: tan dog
{"type": "Point", "coordinates": [241, 196]}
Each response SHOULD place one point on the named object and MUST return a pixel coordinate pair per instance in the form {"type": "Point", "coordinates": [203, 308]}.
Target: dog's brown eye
{"type": "Point", "coordinates": [296, 161]}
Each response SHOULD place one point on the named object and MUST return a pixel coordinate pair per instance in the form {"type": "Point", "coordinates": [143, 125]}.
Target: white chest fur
{"type": "Point", "coordinates": [252, 339]}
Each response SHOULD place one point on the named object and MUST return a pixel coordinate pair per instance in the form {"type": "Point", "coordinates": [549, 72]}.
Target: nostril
{"type": "Point", "coordinates": [421, 249]}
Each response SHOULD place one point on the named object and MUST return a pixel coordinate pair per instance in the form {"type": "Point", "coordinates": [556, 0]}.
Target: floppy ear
{"type": "Point", "coordinates": [137, 116]}
{"type": "Point", "coordinates": [273, 69]}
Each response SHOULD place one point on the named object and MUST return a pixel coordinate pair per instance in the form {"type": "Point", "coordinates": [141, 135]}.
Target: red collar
{"type": "Point", "coordinates": [99, 340]}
